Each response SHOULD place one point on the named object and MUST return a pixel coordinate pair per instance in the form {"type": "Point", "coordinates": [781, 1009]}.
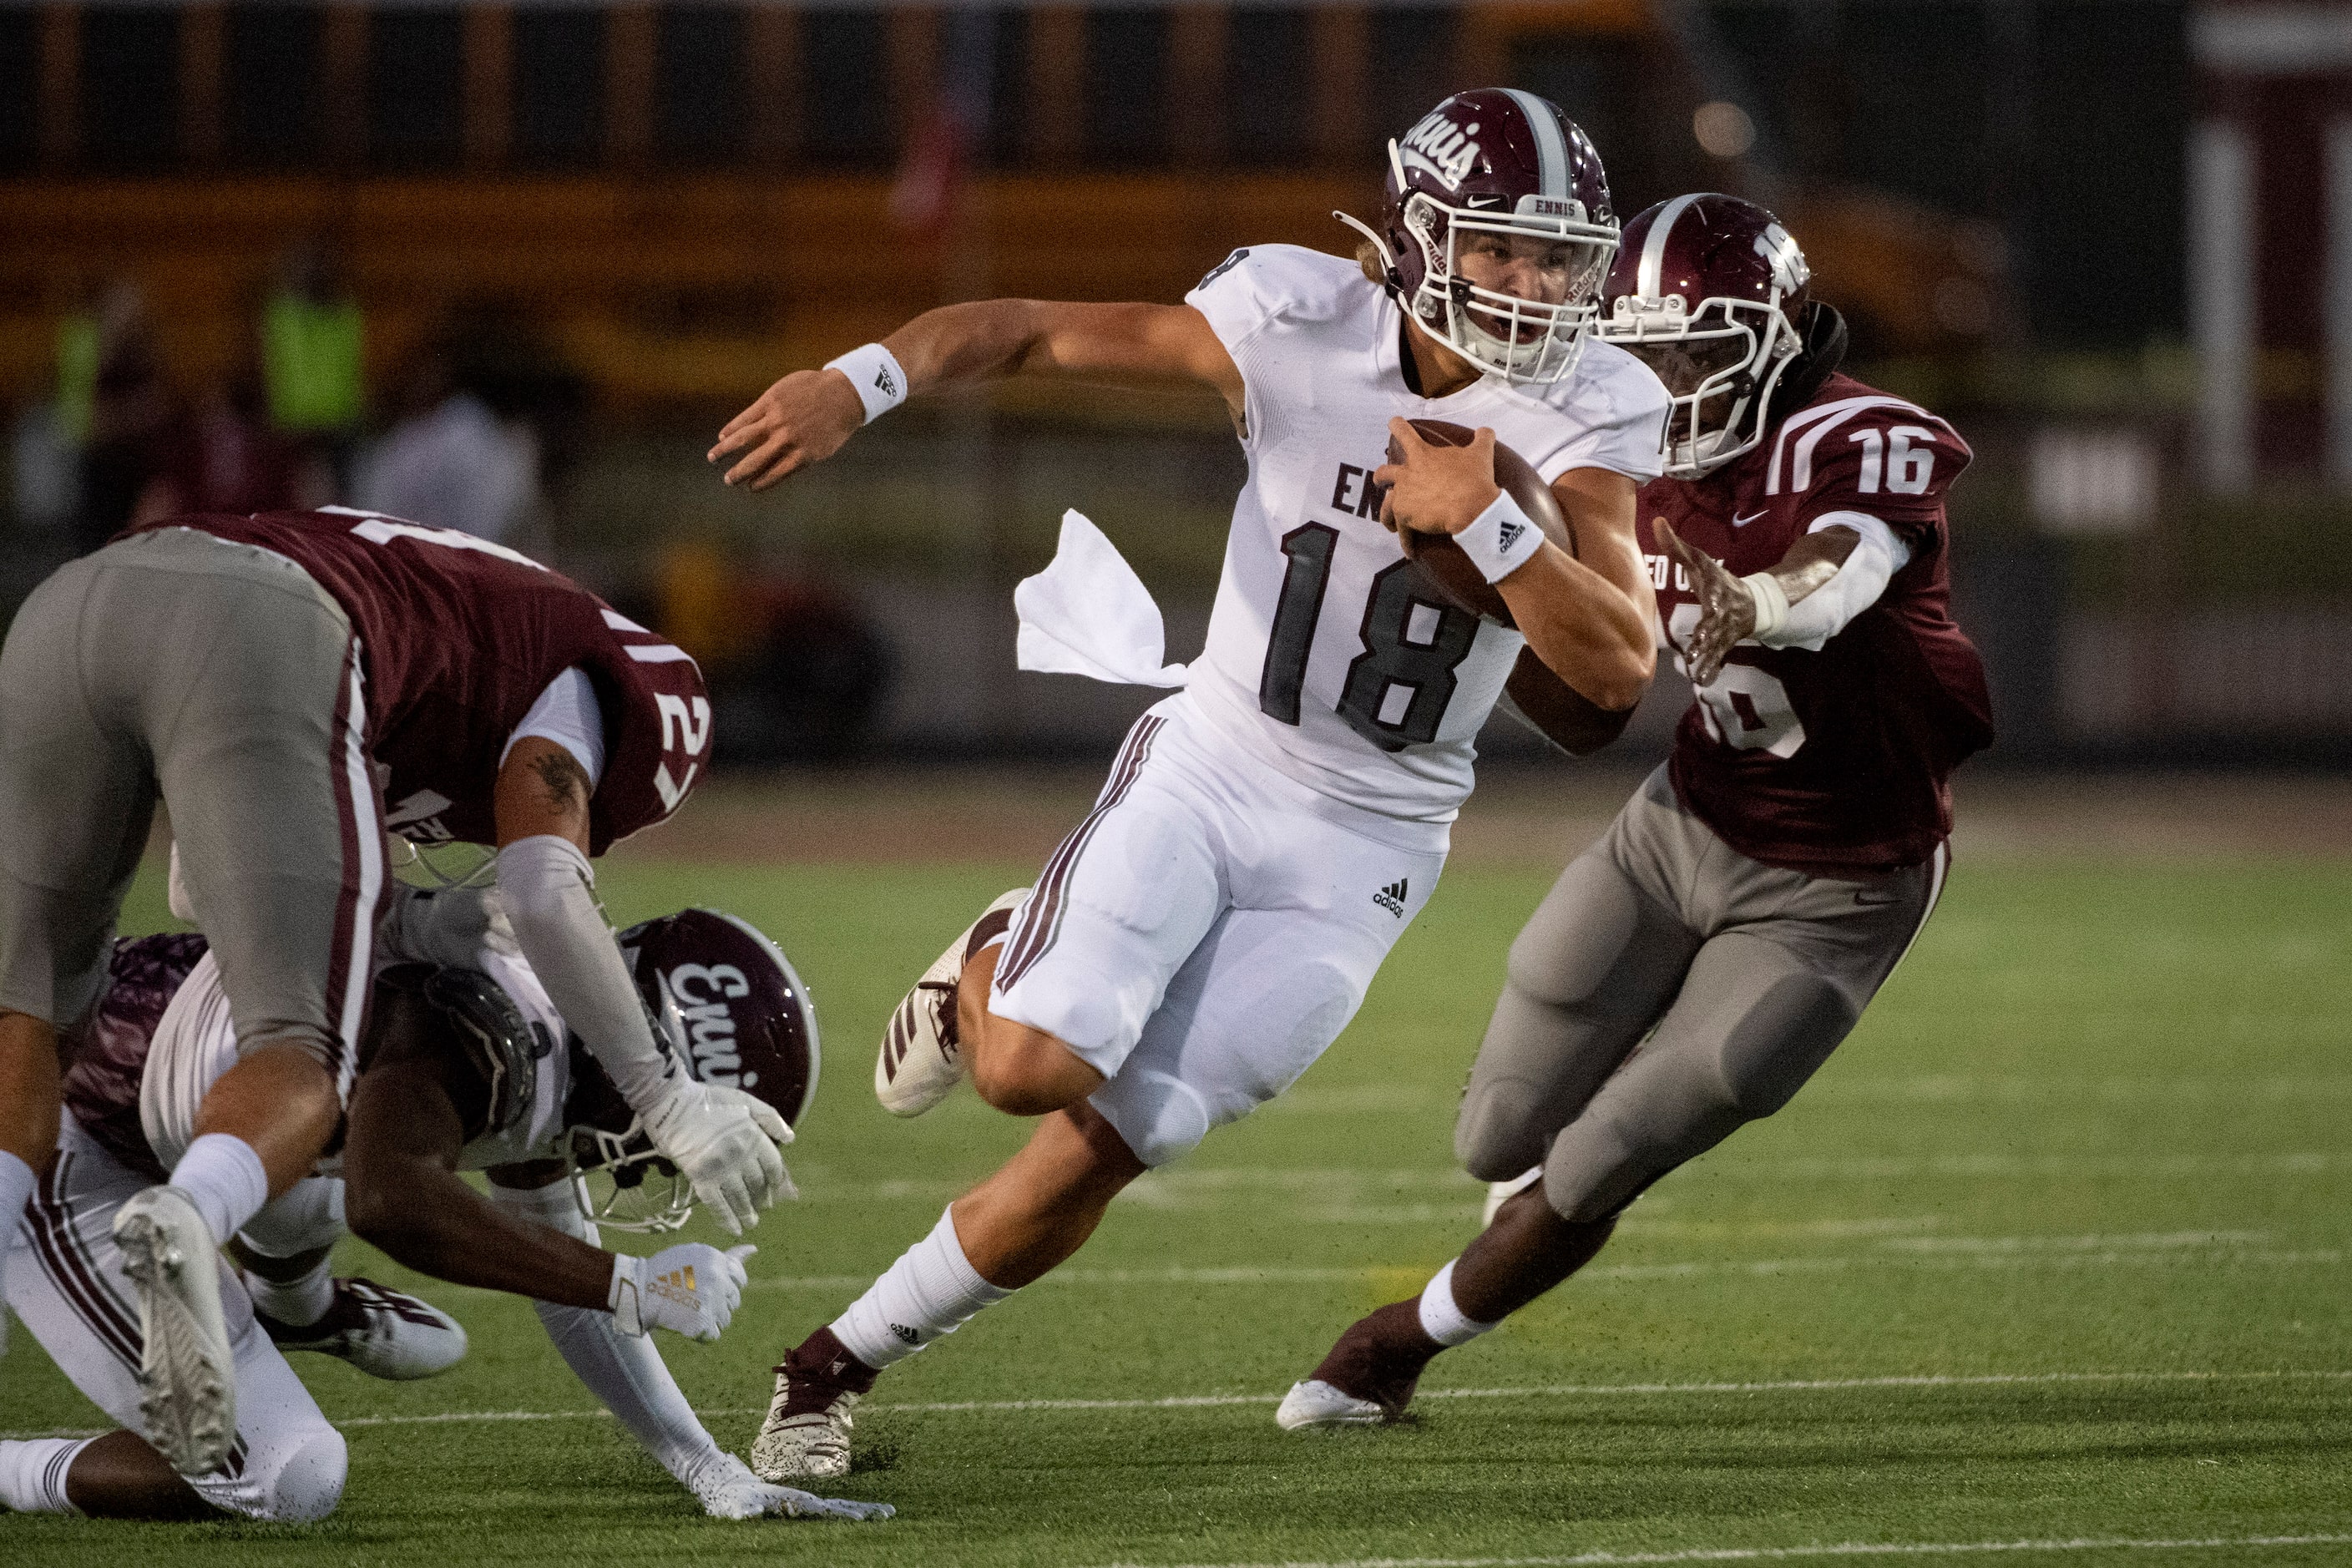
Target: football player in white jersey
{"type": "Point", "coordinates": [1265, 835]}
{"type": "Point", "coordinates": [463, 1069]}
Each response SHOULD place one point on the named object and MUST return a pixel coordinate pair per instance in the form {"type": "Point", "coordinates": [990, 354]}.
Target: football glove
{"type": "Point", "coordinates": [691, 1288]}
{"type": "Point", "coordinates": [447, 926]}
{"type": "Point", "coordinates": [725, 1141]}
{"type": "Point", "coordinates": [730, 1491]}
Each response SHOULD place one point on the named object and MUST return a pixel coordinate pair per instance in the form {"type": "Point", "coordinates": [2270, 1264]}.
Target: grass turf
{"type": "Point", "coordinates": [2088, 1151]}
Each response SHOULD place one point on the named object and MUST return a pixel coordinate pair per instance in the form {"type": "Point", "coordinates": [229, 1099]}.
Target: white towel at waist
{"type": "Point", "coordinates": [1088, 613]}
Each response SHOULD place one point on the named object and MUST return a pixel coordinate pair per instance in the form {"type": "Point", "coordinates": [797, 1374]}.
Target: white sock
{"type": "Point", "coordinates": [932, 1290]}
{"type": "Point", "coordinates": [223, 1177]}
{"type": "Point", "coordinates": [16, 1183]}
{"type": "Point", "coordinates": [1441, 1320]}
{"type": "Point", "coordinates": [298, 1302]}
{"type": "Point", "coordinates": [33, 1473]}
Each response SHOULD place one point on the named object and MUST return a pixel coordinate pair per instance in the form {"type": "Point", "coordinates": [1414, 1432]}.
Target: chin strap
{"type": "Point", "coordinates": [1394, 284]}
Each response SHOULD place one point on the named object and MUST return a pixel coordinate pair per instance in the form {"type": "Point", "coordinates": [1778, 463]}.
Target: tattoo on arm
{"type": "Point", "coordinates": [566, 780]}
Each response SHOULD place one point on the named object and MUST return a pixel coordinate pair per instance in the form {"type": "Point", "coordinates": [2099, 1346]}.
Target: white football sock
{"type": "Point", "coordinates": [1441, 1320]}
{"type": "Point", "coordinates": [296, 1303]}
{"type": "Point", "coordinates": [16, 1183]}
{"type": "Point", "coordinates": [932, 1290]}
{"type": "Point", "coordinates": [33, 1473]}
{"type": "Point", "coordinates": [223, 1177]}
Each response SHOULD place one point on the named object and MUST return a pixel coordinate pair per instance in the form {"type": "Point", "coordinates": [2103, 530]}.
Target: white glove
{"type": "Point", "coordinates": [691, 1288]}
{"type": "Point", "coordinates": [725, 1140]}
{"type": "Point", "coordinates": [447, 926]}
{"type": "Point", "coordinates": [730, 1491]}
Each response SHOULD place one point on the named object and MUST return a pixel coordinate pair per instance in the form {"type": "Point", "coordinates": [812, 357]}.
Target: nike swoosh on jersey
{"type": "Point", "coordinates": [1751, 517]}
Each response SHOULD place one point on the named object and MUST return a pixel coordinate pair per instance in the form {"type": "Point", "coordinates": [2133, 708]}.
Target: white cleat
{"type": "Point", "coordinates": [384, 1332]}
{"type": "Point", "coordinates": [920, 1061]}
{"type": "Point", "coordinates": [1316, 1403]}
{"type": "Point", "coordinates": [1500, 1193]}
{"type": "Point", "coordinates": [187, 1373]}
{"type": "Point", "coordinates": [805, 1436]}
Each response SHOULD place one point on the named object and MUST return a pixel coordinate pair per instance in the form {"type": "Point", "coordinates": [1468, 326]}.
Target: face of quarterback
{"type": "Point", "coordinates": [1536, 268]}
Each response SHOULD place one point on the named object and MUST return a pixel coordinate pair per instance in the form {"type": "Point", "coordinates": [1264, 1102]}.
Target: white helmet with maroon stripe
{"type": "Point", "coordinates": [726, 1002]}
{"type": "Point", "coordinates": [1503, 179]}
{"type": "Point", "coordinates": [1710, 292]}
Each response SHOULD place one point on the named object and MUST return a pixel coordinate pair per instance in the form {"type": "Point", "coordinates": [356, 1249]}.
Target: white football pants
{"type": "Point", "coordinates": [65, 1279]}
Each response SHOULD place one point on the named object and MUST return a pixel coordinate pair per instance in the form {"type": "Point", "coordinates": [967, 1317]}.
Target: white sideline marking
{"type": "Point", "coordinates": [1536, 1391]}
{"type": "Point", "coordinates": [1785, 1553]}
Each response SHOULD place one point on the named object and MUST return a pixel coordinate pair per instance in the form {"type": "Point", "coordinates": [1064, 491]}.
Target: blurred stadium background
{"type": "Point", "coordinates": [508, 267]}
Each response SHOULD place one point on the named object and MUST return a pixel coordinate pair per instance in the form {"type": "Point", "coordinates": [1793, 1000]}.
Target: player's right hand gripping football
{"type": "Point", "coordinates": [691, 1288]}
{"type": "Point", "coordinates": [725, 1140]}
{"type": "Point", "coordinates": [803, 419]}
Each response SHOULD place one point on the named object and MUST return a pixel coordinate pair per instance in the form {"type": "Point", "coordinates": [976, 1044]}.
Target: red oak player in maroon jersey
{"type": "Point", "coordinates": [272, 679]}
{"type": "Point", "coordinates": [1747, 903]}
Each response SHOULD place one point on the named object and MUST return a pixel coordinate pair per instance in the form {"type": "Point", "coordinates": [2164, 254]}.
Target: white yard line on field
{"type": "Point", "coordinates": [1988, 1252]}
{"type": "Point", "coordinates": [1214, 1185]}
{"type": "Point", "coordinates": [1536, 1391]}
{"type": "Point", "coordinates": [1837, 1549]}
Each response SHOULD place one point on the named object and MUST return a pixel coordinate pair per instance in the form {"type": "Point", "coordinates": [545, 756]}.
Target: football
{"type": "Point", "coordinates": [1451, 572]}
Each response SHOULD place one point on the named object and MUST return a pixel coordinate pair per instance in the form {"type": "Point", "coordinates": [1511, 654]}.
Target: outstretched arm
{"type": "Point", "coordinates": [723, 1138]}
{"type": "Point", "coordinates": [1732, 609]}
{"type": "Point", "coordinates": [403, 1193]}
{"type": "Point", "coordinates": [633, 1382]}
{"type": "Point", "coordinates": [808, 415]}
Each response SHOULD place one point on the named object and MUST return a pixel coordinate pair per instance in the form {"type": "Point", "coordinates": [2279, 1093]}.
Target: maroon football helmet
{"type": "Point", "coordinates": [1710, 292]}
{"type": "Point", "coordinates": [726, 1002]}
{"type": "Point", "coordinates": [1492, 175]}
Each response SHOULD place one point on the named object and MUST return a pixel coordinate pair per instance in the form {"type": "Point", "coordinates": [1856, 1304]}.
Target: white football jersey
{"type": "Point", "coordinates": [1329, 657]}
{"type": "Point", "coordinates": [196, 1042]}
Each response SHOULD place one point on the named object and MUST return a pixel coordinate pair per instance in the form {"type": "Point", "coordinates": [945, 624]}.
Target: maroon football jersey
{"type": "Point", "coordinates": [457, 637]}
{"type": "Point", "coordinates": [1837, 761]}
{"type": "Point", "coordinates": [102, 1088]}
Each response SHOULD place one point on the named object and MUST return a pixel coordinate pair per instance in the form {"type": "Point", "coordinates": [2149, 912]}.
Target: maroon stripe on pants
{"type": "Point", "coordinates": [1041, 922]}
{"type": "Point", "coordinates": [75, 1277]}
{"type": "Point", "coordinates": [343, 742]}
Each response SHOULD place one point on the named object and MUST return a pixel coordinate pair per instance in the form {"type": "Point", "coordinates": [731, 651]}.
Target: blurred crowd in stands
{"type": "Point", "coordinates": [119, 442]}
{"type": "Point", "coordinates": [472, 430]}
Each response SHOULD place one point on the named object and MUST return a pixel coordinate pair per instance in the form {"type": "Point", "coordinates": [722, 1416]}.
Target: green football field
{"type": "Point", "coordinates": [2048, 1264]}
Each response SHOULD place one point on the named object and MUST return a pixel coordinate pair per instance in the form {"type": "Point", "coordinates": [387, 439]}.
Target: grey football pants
{"type": "Point", "coordinates": [223, 678]}
{"type": "Point", "coordinates": [1666, 990]}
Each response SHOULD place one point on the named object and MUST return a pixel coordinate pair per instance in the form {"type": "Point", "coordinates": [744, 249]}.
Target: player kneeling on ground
{"type": "Point", "coordinates": [1267, 834]}
{"type": "Point", "coordinates": [1692, 969]}
{"type": "Point", "coordinates": [461, 1069]}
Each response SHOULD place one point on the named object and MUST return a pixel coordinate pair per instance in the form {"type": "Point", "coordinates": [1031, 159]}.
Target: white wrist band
{"type": "Point", "coordinates": [880, 378]}
{"type": "Point", "coordinates": [628, 1314]}
{"type": "Point", "coordinates": [1502, 539]}
{"type": "Point", "coordinates": [1771, 603]}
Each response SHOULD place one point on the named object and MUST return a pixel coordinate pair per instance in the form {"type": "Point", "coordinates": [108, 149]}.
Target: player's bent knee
{"type": "Point", "coordinates": [310, 1483]}
{"type": "Point", "coordinates": [1023, 1071]}
{"type": "Point", "coordinates": [1782, 1041]}
{"type": "Point", "coordinates": [1494, 1138]}
{"type": "Point", "coordinates": [1595, 1168]}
